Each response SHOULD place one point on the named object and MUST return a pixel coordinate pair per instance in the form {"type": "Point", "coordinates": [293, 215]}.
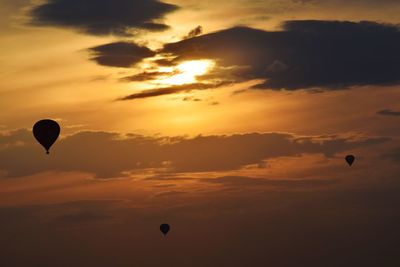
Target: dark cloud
{"type": "Point", "coordinates": [120, 54]}
{"type": "Point", "coordinates": [191, 98]}
{"type": "Point", "coordinates": [102, 17]}
{"type": "Point", "coordinates": [174, 89]}
{"type": "Point", "coordinates": [251, 182]}
{"type": "Point", "coordinates": [157, 92]}
{"type": "Point", "coordinates": [363, 3]}
{"type": "Point", "coordinates": [241, 181]}
{"type": "Point", "coordinates": [109, 155]}
{"type": "Point", "coordinates": [146, 76]}
{"type": "Point", "coordinates": [169, 194]}
{"type": "Point", "coordinates": [388, 112]}
{"type": "Point", "coordinates": [193, 33]}
{"type": "Point", "coordinates": [304, 54]}
{"type": "Point", "coordinates": [165, 62]}
{"type": "Point", "coordinates": [168, 177]}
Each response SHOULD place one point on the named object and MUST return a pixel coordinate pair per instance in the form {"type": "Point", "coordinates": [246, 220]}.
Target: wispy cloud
{"type": "Point", "coordinates": [174, 89]}
{"type": "Point", "coordinates": [388, 112]}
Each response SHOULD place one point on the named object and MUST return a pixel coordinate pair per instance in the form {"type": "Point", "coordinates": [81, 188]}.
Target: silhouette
{"type": "Point", "coordinates": [350, 159]}
{"type": "Point", "coordinates": [46, 133]}
{"type": "Point", "coordinates": [164, 228]}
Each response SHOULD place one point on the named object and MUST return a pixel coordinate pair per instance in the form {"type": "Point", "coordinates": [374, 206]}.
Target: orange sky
{"type": "Point", "coordinates": [232, 118]}
{"type": "Point", "coordinates": [54, 78]}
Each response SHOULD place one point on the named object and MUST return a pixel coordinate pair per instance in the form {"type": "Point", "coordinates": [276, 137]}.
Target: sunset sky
{"type": "Point", "coordinates": [229, 120]}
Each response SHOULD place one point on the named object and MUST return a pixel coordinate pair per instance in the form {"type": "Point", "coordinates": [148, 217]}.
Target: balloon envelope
{"type": "Point", "coordinates": [46, 133]}
{"type": "Point", "coordinates": [350, 159]}
{"type": "Point", "coordinates": [164, 228]}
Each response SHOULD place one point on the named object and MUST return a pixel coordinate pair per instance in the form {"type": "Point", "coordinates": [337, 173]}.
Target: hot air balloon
{"type": "Point", "coordinates": [350, 159]}
{"type": "Point", "coordinates": [46, 133]}
{"type": "Point", "coordinates": [164, 228]}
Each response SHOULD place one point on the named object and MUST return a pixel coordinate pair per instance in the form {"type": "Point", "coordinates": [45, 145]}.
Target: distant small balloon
{"type": "Point", "coordinates": [350, 159]}
{"type": "Point", "coordinates": [164, 228]}
{"type": "Point", "coordinates": [46, 133]}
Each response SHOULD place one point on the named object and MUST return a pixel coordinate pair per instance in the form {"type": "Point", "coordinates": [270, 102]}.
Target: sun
{"type": "Point", "coordinates": [194, 67]}
{"type": "Point", "coordinates": [187, 72]}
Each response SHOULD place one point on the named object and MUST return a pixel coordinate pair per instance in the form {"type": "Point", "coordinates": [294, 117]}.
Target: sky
{"type": "Point", "coordinates": [228, 120]}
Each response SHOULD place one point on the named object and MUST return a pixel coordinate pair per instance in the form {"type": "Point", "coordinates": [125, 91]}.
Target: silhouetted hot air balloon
{"type": "Point", "coordinates": [350, 159]}
{"type": "Point", "coordinates": [46, 133]}
{"type": "Point", "coordinates": [164, 228]}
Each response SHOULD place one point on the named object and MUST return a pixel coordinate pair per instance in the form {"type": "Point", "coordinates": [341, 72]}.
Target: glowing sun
{"type": "Point", "coordinates": [186, 72]}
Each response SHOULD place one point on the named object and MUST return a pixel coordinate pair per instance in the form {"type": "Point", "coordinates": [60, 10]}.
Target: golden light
{"type": "Point", "coordinates": [195, 67]}
{"type": "Point", "coordinates": [186, 72]}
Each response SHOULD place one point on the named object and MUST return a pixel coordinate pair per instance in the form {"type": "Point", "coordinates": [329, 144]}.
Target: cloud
{"type": "Point", "coordinates": [174, 89]}
{"type": "Point", "coordinates": [169, 194]}
{"type": "Point", "coordinates": [303, 55]}
{"type": "Point", "coordinates": [9, 9]}
{"type": "Point", "coordinates": [241, 181]}
{"type": "Point", "coordinates": [388, 112]}
{"type": "Point", "coordinates": [191, 98]}
{"type": "Point", "coordinates": [358, 2]}
{"type": "Point", "coordinates": [120, 54]}
{"type": "Point", "coordinates": [111, 155]}
{"type": "Point", "coordinates": [193, 33]}
{"type": "Point", "coordinates": [145, 76]}
{"type": "Point", "coordinates": [103, 17]}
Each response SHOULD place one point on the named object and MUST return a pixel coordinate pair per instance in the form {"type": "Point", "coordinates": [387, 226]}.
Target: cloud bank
{"type": "Point", "coordinates": [109, 155]}
{"type": "Point", "coordinates": [304, 54]}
